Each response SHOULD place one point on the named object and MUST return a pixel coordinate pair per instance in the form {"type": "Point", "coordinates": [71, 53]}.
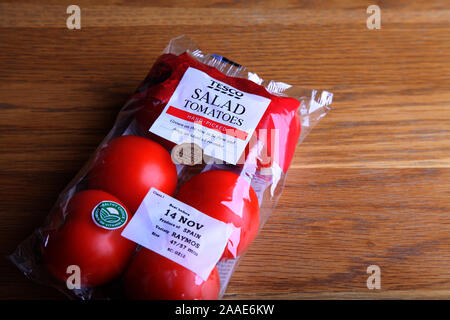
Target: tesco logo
{"type": "Point", "coordinates": [225, 89]}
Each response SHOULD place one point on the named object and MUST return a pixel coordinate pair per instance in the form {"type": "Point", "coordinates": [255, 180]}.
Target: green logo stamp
{"type": "Point", "coordinates": [109, 215]}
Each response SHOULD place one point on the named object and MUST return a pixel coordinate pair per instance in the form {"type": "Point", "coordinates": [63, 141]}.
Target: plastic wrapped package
{"type": "Point", "coordinates": [179, 188]}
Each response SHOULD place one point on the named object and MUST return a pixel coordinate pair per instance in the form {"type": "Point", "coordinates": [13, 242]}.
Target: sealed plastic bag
{"type": "Point", "coordinates": [178, 190]}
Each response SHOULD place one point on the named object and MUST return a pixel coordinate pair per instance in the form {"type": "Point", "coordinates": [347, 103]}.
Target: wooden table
{"type": "Point", "coordinates": [369, 186]}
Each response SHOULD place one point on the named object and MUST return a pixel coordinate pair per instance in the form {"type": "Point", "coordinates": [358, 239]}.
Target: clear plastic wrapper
{"type": "Point", "coordinates": [179, 188]}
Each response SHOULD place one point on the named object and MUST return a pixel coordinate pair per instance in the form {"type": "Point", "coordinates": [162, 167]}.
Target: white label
{"type": "Point", "coordinates": [178, 232]}
{"type": "Point", "coordinates": [216, 116]}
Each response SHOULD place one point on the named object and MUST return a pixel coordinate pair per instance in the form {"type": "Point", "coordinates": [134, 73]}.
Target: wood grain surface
{"type": "Point", "coordinates": [369, 185]}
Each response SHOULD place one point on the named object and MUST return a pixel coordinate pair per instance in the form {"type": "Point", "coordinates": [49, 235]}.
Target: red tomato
{"type": "Point", "coordinates": [129, 166]}
{"type": "Point", "coordinates": [101, 254]}
{"type": "Point", "coordinates": [149, 111]}
{"type": "Point", "coordinates": [151, 276]}
{"type": "Point", "coordinates": [228, 197]}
